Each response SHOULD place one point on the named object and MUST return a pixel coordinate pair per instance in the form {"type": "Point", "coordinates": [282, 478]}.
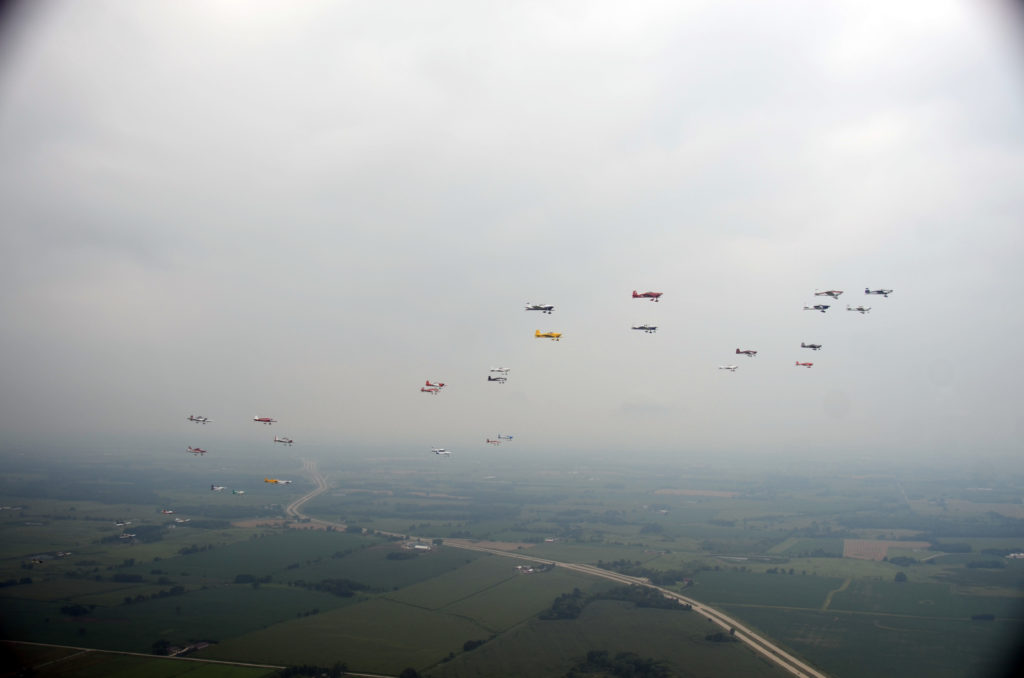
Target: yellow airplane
{"type": "Point", "coordinates": [548, 335]}
{"type": "Point", "coordinates": [277, 482]}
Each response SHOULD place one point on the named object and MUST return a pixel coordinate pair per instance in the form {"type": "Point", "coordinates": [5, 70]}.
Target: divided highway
{"type": "Point", "coordinates": [758, 643]}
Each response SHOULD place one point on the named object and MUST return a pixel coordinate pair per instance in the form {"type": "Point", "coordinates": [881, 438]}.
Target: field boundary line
{"type": "Point", "coordinates": [828, 598]}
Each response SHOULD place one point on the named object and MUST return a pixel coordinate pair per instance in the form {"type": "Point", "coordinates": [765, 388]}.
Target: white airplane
{"type": "Point", "coordinates": [166, 512]}
{"type": "Point", "coordinates": [237, 491]}
{"type": "Point", "coordinates": [218, 488]}
{"type": "Point", "coordinates": [884, 293]}
{"type": "Point", "coordinates": [828, 293]}
{"type": "Point", "coordinates": [283, 439]}
{"type": "Point", "coordinates": [122, 523]}
{"type": "Point", "coordinates": [501, 437]}
{"type": "Point", "coordinates": [183, 520]}
{"type": "Point", "coordinates": [543, 308]}
{"type": "Point", "coordinates": [198, 419]}
{"type": "Point", "coordinates": [817, 307]}
{"type": "Point", "coordinates": [441, 451]}
{"type": "Point", "coordinates": [127, 535]}
{"type": "Point", "coordinates": [860, 309]}
{"type": "Point", "coordinates": [265, 420]}
{"type": "Point", "coordinates": [731, 368]}
{"type": "Point", "coordinates": [649, 329]}
{"type": "Point", "coordinates": [500, 380]}
{"type": "Point", "coordinates": [813, 347]}
{"type": "Point", "coordinates": [502, 370]}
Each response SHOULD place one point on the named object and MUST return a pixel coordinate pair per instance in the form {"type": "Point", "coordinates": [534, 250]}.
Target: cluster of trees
{"type": "Point", "coordinates": [635, 569]}
{"type": "Point", "coordinates": [345, 588]}
{"type": "Point", "coordinates": [622, 665]}
{"type": "Point", "coordinates": [162, 593]}
{"type": "Point", "coordinates": [570, 605]}
{"type": "Point", "coordinates": [188, 550]}
{"type": "Point", "coordinates": [335, 671]}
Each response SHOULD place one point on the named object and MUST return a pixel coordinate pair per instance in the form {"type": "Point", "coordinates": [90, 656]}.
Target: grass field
{"type": "Point", "coordinates": [757, 588]}
{"type": "Point", "coordinates": [51, 662]}
{"type": "Point", "coordinates": [868, 646]}
{"type": "Point", "coordinates": [547, 649]}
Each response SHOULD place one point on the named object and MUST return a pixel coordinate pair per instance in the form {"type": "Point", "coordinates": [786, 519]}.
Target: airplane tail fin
{"type": "Point", "coordinates": [737, 350]}
{"type": "Point", "coordinates": [536, 333]}
{"type": "Point", "coordinates": [635, 295]}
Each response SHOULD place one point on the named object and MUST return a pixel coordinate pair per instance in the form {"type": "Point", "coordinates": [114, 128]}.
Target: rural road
{"type": "Point", "coordinates": [759, 644]}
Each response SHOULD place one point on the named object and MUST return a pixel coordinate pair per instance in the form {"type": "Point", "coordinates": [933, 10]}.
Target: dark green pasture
{"type": "Point", "coordinates": [860, 645]}
{"type": "Point", "coordinates": [548, 649]}
{"type": "Point", "coordinates": [923, 600]}
{"type": "Point", "coordinates": [54, 662]}
{"type": "Point", "coordinates": [211, 614]}
{"type": "Point", "coordinates": [760, 588]}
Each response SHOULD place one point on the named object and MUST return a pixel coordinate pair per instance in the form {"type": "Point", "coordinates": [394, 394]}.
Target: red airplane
{"type": "Point", "coordinates": [800, 364]}
{"type": "Point", "coordinates": [166, 512]}
{"type": "Point", "coordinates": [494, 442]}
{"type": "Point", "coordinates": [749, 353]}
{"type": "Point", "coordinates": [437, 385]}
{"type": "Point", "coordinates": [653, 296]}
{"type": "Point", "coordinates": [264, 420]}
{"type": "Point", "coordinates": [435, 391]}
{"type": "Point", "coordinates": [195, 450]}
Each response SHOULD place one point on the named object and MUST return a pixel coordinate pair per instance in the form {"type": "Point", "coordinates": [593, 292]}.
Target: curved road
{"type": "Point", "coordinates": [759, 644]}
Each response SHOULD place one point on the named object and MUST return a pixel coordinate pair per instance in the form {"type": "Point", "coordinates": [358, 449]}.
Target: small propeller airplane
{"type": "Point", "coordinates": [265, 420]}
{"type": "Point", "coordinates": [817, 307]}
{"type": "Point", "coordinates": [554, 336]}
{"type": "Point", "coordinates": [437, 385]}
{"type": "Point", "coordinates": [750, 353]}
{"type": "Point", "coordinates": [127, 535]}
{"type": "Point", "coordinates": [166, 512]}
{"type": "Point", "coordinates": [434, 390]}
{"type": "Point", "coordinates": [283, 439]}
{"type": "Point", "coordinates": [122, 523]}
{"type": "Point", "coordinates": [493, 442]}
{"type": "Point", "coordinates": [731, 368]}
{"type": "Point", "coordinates": [195, 450]}
{"type": "Point", "coordinates": [183, 520]}
{"type": "Point", "coordinates": [500, 370]}
{"type": "Point", "coordinates": [441, 451]}
{"type": "Point", "coordinates": [800, 364]}
{"type": "Point", "coordinates": [653, 296]}
{"type": "Point", "coordinates": [813, 347]}
{"type": "Point", "coordinates": [859, 309]}
{"type": "Point", "coordinates": [649, 329]}
{"type": "Point", "coordinates": [543, 308]}
{"type": "Point", "coordinates": [275, 481]}
{"type": "Point", "coordinates": [199, 419]}
{"type": "Point", "coordinates": [884, 293]}
{"type": "Point", "coordinates": [501, 437]}
{"type": "Point", "coordinates": [218, 488]}
{"type": "Point", "coordinates": [237, 491]}
{"type": "Point", "coordinates": [829, 293]}
{"type": "Point", "coordinates": [500, 380]}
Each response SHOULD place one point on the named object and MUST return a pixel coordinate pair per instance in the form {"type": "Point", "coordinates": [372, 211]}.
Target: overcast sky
{"type": "Point", "coordinates": [305, 210]}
